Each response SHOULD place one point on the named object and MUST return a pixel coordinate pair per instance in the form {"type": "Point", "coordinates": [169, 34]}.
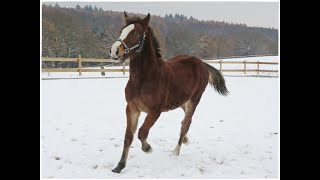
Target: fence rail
{"type": "Point", "coordinates": [221, 62]}
{"type": "Point", "coordinates": [47, 59]}
{"type": "Point", "coordinates": [241, 62]}
{"type": "Point", "coordinates": [235, 57]}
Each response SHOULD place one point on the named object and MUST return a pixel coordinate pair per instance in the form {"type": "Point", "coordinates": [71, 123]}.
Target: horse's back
{"type": "Point", "coordinates": [187, 64]}
{"type": "Point", "coordinates": [183, 59]}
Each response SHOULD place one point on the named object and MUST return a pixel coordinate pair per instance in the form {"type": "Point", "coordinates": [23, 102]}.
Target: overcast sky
{"type": "Point", "coordinates": [262, 14]}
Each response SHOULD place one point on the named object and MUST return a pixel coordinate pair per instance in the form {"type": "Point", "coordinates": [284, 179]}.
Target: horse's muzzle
{"type": "Point", "coordinates": [114, 57]}
{"type": "Point", "coordinates": [121, 58]}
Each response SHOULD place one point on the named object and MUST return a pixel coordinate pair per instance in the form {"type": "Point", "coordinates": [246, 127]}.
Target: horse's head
{"type": "Point", "coordinates": [132, 38]}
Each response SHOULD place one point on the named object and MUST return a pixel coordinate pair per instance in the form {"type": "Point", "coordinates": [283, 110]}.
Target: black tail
{"type": "Point", "coordinates": [217, 81]}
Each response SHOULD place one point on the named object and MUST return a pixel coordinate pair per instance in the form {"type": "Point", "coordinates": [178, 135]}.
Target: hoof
{"type": "Point", "coordinates": [176, 151]}
{"type": "Point", "coordinates": [116, 170]}
{"type": "Point", "coordinates": [147, 149]}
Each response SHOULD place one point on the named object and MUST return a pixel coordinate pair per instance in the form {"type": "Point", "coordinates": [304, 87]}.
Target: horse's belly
{"type": "Point", "coordinates": [173, 104]}
{"type": "Point", "coordinates": [169, 108]}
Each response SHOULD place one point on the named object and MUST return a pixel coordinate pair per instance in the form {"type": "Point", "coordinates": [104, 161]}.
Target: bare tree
{"type": "Point", "coordinates": [246, 47]}
{"type": "Point", "coordinates": [219, 46]}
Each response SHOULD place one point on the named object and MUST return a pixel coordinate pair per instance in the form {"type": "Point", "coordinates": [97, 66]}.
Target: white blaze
{"type": "Point", "coordinates": [123, 36]}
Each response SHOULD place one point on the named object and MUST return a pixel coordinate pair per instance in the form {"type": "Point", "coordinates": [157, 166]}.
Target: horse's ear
{"type": "Point", "coordinates": [126, 17]}
{"type": "Point", "coordinates": [146, 20]}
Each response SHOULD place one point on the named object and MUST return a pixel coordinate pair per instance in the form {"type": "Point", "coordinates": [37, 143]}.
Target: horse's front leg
{"type": "Point", "coordinates": [144, 130]}
{"type": "Point", "coordinates": [132, 122]}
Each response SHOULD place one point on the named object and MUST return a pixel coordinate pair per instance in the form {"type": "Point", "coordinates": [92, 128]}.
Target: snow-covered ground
{"type": "Point", "coordinates": [225, 66]}
{"type": "Point", "coordinates": [83, 124]}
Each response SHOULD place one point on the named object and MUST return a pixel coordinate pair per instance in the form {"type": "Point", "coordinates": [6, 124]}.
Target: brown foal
{"type": "Point", "coordinates": [156, 85]}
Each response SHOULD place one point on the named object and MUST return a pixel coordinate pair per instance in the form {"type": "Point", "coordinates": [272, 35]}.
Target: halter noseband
{"type": "Point", "coordinates": [127, 49]}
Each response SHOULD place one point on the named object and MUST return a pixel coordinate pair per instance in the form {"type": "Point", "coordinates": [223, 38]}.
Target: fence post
{"type": "Point", "coordinates": [245, 67]}
{"type": "Point", "coordinates": [79, 65]}
{"type": "Point", "coordinates": [258, 67]}
{"type": "Point", "coordinates": [102, 72]}
{"type": "Point", "coordinates": [123, 67]}
{"type": "Point", "coordinates": [221, 65]}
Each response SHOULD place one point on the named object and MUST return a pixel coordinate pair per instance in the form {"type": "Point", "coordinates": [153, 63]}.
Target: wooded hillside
{"type": "Point", "coordinates": [90, 31]}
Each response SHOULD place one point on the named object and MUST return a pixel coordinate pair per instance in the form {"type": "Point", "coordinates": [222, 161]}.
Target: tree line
{"type": "Point", "coordinates": [90, 31]}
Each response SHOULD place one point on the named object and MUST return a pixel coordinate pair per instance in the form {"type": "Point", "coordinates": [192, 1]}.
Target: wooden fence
{"type": "Point", "coordinates": [245, 63]}
{"type": "Point", "coordinates": [221, 63]}
{"type": "Point", "coordinates": [81, 69]}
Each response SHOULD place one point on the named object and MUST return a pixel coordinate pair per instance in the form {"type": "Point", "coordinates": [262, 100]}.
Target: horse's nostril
{"type": "Point", "coordinates": [117, 51]}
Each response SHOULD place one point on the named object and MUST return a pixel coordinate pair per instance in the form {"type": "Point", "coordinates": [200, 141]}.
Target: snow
{"type": "Point", "coordinates": [83, 123]}
{"type": "Point", "coordinates": [217, 66]}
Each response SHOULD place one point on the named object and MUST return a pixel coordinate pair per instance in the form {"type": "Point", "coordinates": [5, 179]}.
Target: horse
{"type": "Point", "coordinates": [156, 85]}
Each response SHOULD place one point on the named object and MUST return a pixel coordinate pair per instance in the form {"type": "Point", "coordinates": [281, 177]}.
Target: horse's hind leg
{"type": "Point", "coordinates": [132, 122]}
{"type": "Point", "coordinates": [185, 139]}
{"type": "Point", "coordinates": [189, 108]}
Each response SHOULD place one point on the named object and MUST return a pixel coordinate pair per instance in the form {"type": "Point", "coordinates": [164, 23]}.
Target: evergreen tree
{"type": "Point", "coordinates": [56, 5]}
{"type": "Point", "coordinates": [95, 8]}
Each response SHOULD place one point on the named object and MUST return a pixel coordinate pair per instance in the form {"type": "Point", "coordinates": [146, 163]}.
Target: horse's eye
{"type": "Point", "coordinates": [135, 33]}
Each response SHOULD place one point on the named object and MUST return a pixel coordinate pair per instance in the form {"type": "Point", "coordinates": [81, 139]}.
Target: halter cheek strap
{"type": "Point", "coordinates": [140, 45]}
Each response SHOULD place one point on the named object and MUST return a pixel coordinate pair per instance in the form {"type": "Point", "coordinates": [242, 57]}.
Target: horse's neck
{"type": "Point", "coordinates": [146, 66]}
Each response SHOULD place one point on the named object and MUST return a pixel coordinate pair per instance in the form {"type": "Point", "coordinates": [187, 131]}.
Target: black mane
{"type": "Point", "coordinates": [155, 42]}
